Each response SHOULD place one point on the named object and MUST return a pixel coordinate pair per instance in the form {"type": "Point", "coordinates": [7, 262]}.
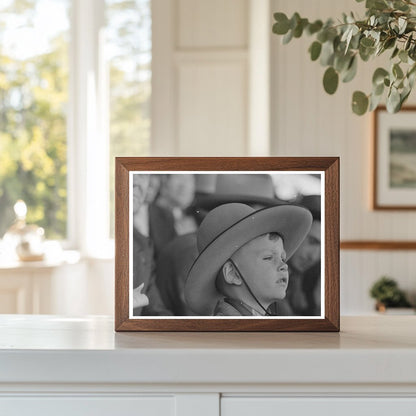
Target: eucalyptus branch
{"type": "Point", "coordinates": [389, 25]}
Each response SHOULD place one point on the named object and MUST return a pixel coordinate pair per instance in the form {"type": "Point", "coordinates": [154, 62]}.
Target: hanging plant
{"type": "Point", "coordinates": [389, 27]}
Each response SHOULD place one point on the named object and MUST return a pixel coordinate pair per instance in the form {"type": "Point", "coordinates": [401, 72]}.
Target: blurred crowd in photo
{"type": "Point", "coordinates": [167, 212]}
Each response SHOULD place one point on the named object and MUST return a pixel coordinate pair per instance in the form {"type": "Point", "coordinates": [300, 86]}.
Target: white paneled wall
{"type": "Point", "coordinates": [308, 122]}
{"type": "Point", "coordinates": [212, 24]}
{"type": "Point", "coordinates": [212, 103]}
{"type": "Point", "coordinates": [202, 108]}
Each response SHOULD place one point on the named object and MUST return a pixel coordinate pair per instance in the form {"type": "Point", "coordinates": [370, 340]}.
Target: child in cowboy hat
{"type": "Point", "coordinates": [175, 261]}
{"type": "Point", "coordinates": [241, 267]}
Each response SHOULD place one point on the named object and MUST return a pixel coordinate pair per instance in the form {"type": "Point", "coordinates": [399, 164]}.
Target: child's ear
{"type": "Point", "coordinates": [231, 275]}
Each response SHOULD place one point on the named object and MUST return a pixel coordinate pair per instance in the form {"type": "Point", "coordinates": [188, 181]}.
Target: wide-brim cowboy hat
{"type": "Point", "coordinates": [240, 187]}
{"type": "Point", "coordinates": [226, 229]}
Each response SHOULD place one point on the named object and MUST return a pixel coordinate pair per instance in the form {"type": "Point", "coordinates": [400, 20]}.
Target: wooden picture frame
{"type": "Point", "coordinates": [327, 168]}
{"type": "Point", "coordinates": [394, 158]}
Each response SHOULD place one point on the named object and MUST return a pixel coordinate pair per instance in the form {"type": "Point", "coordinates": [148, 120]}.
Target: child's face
{"type": "Point", "coordinates": [262, 262]}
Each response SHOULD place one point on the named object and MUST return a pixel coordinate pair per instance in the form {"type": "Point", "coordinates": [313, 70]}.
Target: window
{"type": "Point", "coordinates": [75, 87]}
{"type": "Point", "coordinates": [33, 102]}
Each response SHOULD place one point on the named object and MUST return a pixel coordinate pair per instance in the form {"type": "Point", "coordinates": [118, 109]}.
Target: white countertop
{"type": "Point", "coordinates": [53, 349]}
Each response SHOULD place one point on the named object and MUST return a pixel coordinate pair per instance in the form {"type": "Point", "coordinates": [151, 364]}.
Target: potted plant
{"type": "Point", "coordinates": [389, 27]}
{"type": "Point", "coordinates": [387, 294]}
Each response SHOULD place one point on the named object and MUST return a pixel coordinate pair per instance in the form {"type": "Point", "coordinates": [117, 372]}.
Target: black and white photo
{"type": "Point", "coordinates": [226, 244]}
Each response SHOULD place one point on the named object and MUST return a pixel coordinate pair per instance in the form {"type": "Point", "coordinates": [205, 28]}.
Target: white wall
{"type": "Point", "coordinates": [203, 84]}
{"type": "Point", "coordinates": [308, 122]}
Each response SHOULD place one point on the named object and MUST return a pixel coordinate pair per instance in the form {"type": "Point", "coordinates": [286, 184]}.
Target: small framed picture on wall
{"type": "Point", "coordinates": [394, 150]}
{"type": "Point", "coordinates": [227, 244]}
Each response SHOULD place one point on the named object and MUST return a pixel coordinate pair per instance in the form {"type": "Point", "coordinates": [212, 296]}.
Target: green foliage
{"type": "Point", "coordinates": [389, 25]}
{"type": "Point", "coordinates": [33, 162]}
{"type": "Point", "coordinates": [359, 103]}
{"type": "Point", "coordinates": [315, 50]}
{"type": "Point", "coordinates": [330, 80]}
{"type": "Point", "coordinates": [386, 291]}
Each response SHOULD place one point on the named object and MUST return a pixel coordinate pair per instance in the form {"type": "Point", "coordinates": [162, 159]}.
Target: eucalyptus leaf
{"type": "Point", "coordinates": [408, 42]}
{"type": "Point", "coordinates": [288, 37]}
{"type": "Point", "coordinates": [314, 27]}
{"type": "Point", "coordinates": [400, 5]}
{"type": "Point", "coordinates": [351, 71]}
{"type": "Point", "coordinates": [298, 30]}
{"type": "Point", "coordinates": [330, 80]}
{"type": "Point", "coordinates": [393, 101]}
{"type": "Point", "coordinates": [367, 42]}
{"type": "Point", "coordinates": [374, 102]}
{"type": "Point", "coordinates": [315, 50]}
{"type": "Point", "coordinates": [376, 4]}
{"type": "Point", "coordinates": [353, 30]}
{"type": "Point", "coordinates": [412, 70]}
{"type": "Point", "coordinates": [350, 18]}
{"type": "Point", "coordinates": [378, 89]}
{"type": "Point", "coordinates": [397, 71]}
{"type": "Point", "coordinates": [359, 103]}
{"type": "Point", "coordinates": [379, 75]}
{"type": "Point", "coordinates": [402, 22]}
{"type": "Point", "coordinates": [403, 56]}
{"type": "Point", "coordinates": [366, 53]}
{"type": "Point", "coordinates": [294, 21]}
{"type": "Point", "coordinates": [395, 52]}
{"type": "Point", "coordinates": [341, 62]}
{"type": "Point", "coordinates": [355, 41]}
{"type": "Point", "coordinates": [322, 36]}
{"type": "Point", "coordinates": [404, 96]}
{"type": "Point", "coordinates": [327, 54]}
{"type": "Point", "coordinates": [346, 34]}
{"type": "Point", "coordinates": [411, 78]}
{"type": "Point", "coordinates": [389, 43]}
{"type": "Point", "coordinates": [282, 25]}
{"type": "Point", "coordinates": [412, 52]}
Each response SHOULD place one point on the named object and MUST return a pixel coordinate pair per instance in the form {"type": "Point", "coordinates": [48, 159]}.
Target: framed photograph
{"type": "Point", "coordinates": [227, 244]}
{"type": "Point", "coordinates": [394, 179]}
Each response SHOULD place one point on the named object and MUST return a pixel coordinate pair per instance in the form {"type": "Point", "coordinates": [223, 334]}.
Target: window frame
{"type": "Point", "coordinates": [88, 133]}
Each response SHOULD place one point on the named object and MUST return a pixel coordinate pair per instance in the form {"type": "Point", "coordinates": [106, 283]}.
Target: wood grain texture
{"type": "Point", "coordinates": [121, 244]}
{"type": "Point", "coordinates": [332, 288]}
{"type": "Point", "coordinates": [330, 165]}
{"type": "Point", "coordinates": [376, 205]}
{"type": "Point", "coordinates": [378, 245]}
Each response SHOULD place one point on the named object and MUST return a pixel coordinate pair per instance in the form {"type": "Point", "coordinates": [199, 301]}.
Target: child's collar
{"type": "Point", "coordinates": [238, 304]}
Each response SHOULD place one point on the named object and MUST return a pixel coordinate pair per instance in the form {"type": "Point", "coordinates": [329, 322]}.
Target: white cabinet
{"type": "Point", "coordinates": [88, 406]}
{"type": "Point", "coordinates": [270, 406]}
{"type": "Point", "coordinates": [53, 365]}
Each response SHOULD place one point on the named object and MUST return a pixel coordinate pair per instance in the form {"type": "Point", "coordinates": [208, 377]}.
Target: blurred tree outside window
{"type": "Point", "coordinates": [129, 52]}
{"type": "Point", "coordinates": [34, 93]}
{"type": "Point", "coordinates": [33, 101]}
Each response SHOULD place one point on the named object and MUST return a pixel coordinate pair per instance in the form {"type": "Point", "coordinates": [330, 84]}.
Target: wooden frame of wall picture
{"type": "Point", "coordinates": [394, 159]}
{"type": "Point", "coordinates": [227, 244]}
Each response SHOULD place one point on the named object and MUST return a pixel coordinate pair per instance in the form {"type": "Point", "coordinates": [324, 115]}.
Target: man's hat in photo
{"type": "Point", "coordinates": [244, 188]}
{"type": "Point", "coordinates": [313, 204]}
{"type": "Point", "coordinates": [225, 230]}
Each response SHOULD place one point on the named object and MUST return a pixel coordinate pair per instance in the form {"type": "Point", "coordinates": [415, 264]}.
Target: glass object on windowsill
{"type": "Point", "coordinates": [23, 240]}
